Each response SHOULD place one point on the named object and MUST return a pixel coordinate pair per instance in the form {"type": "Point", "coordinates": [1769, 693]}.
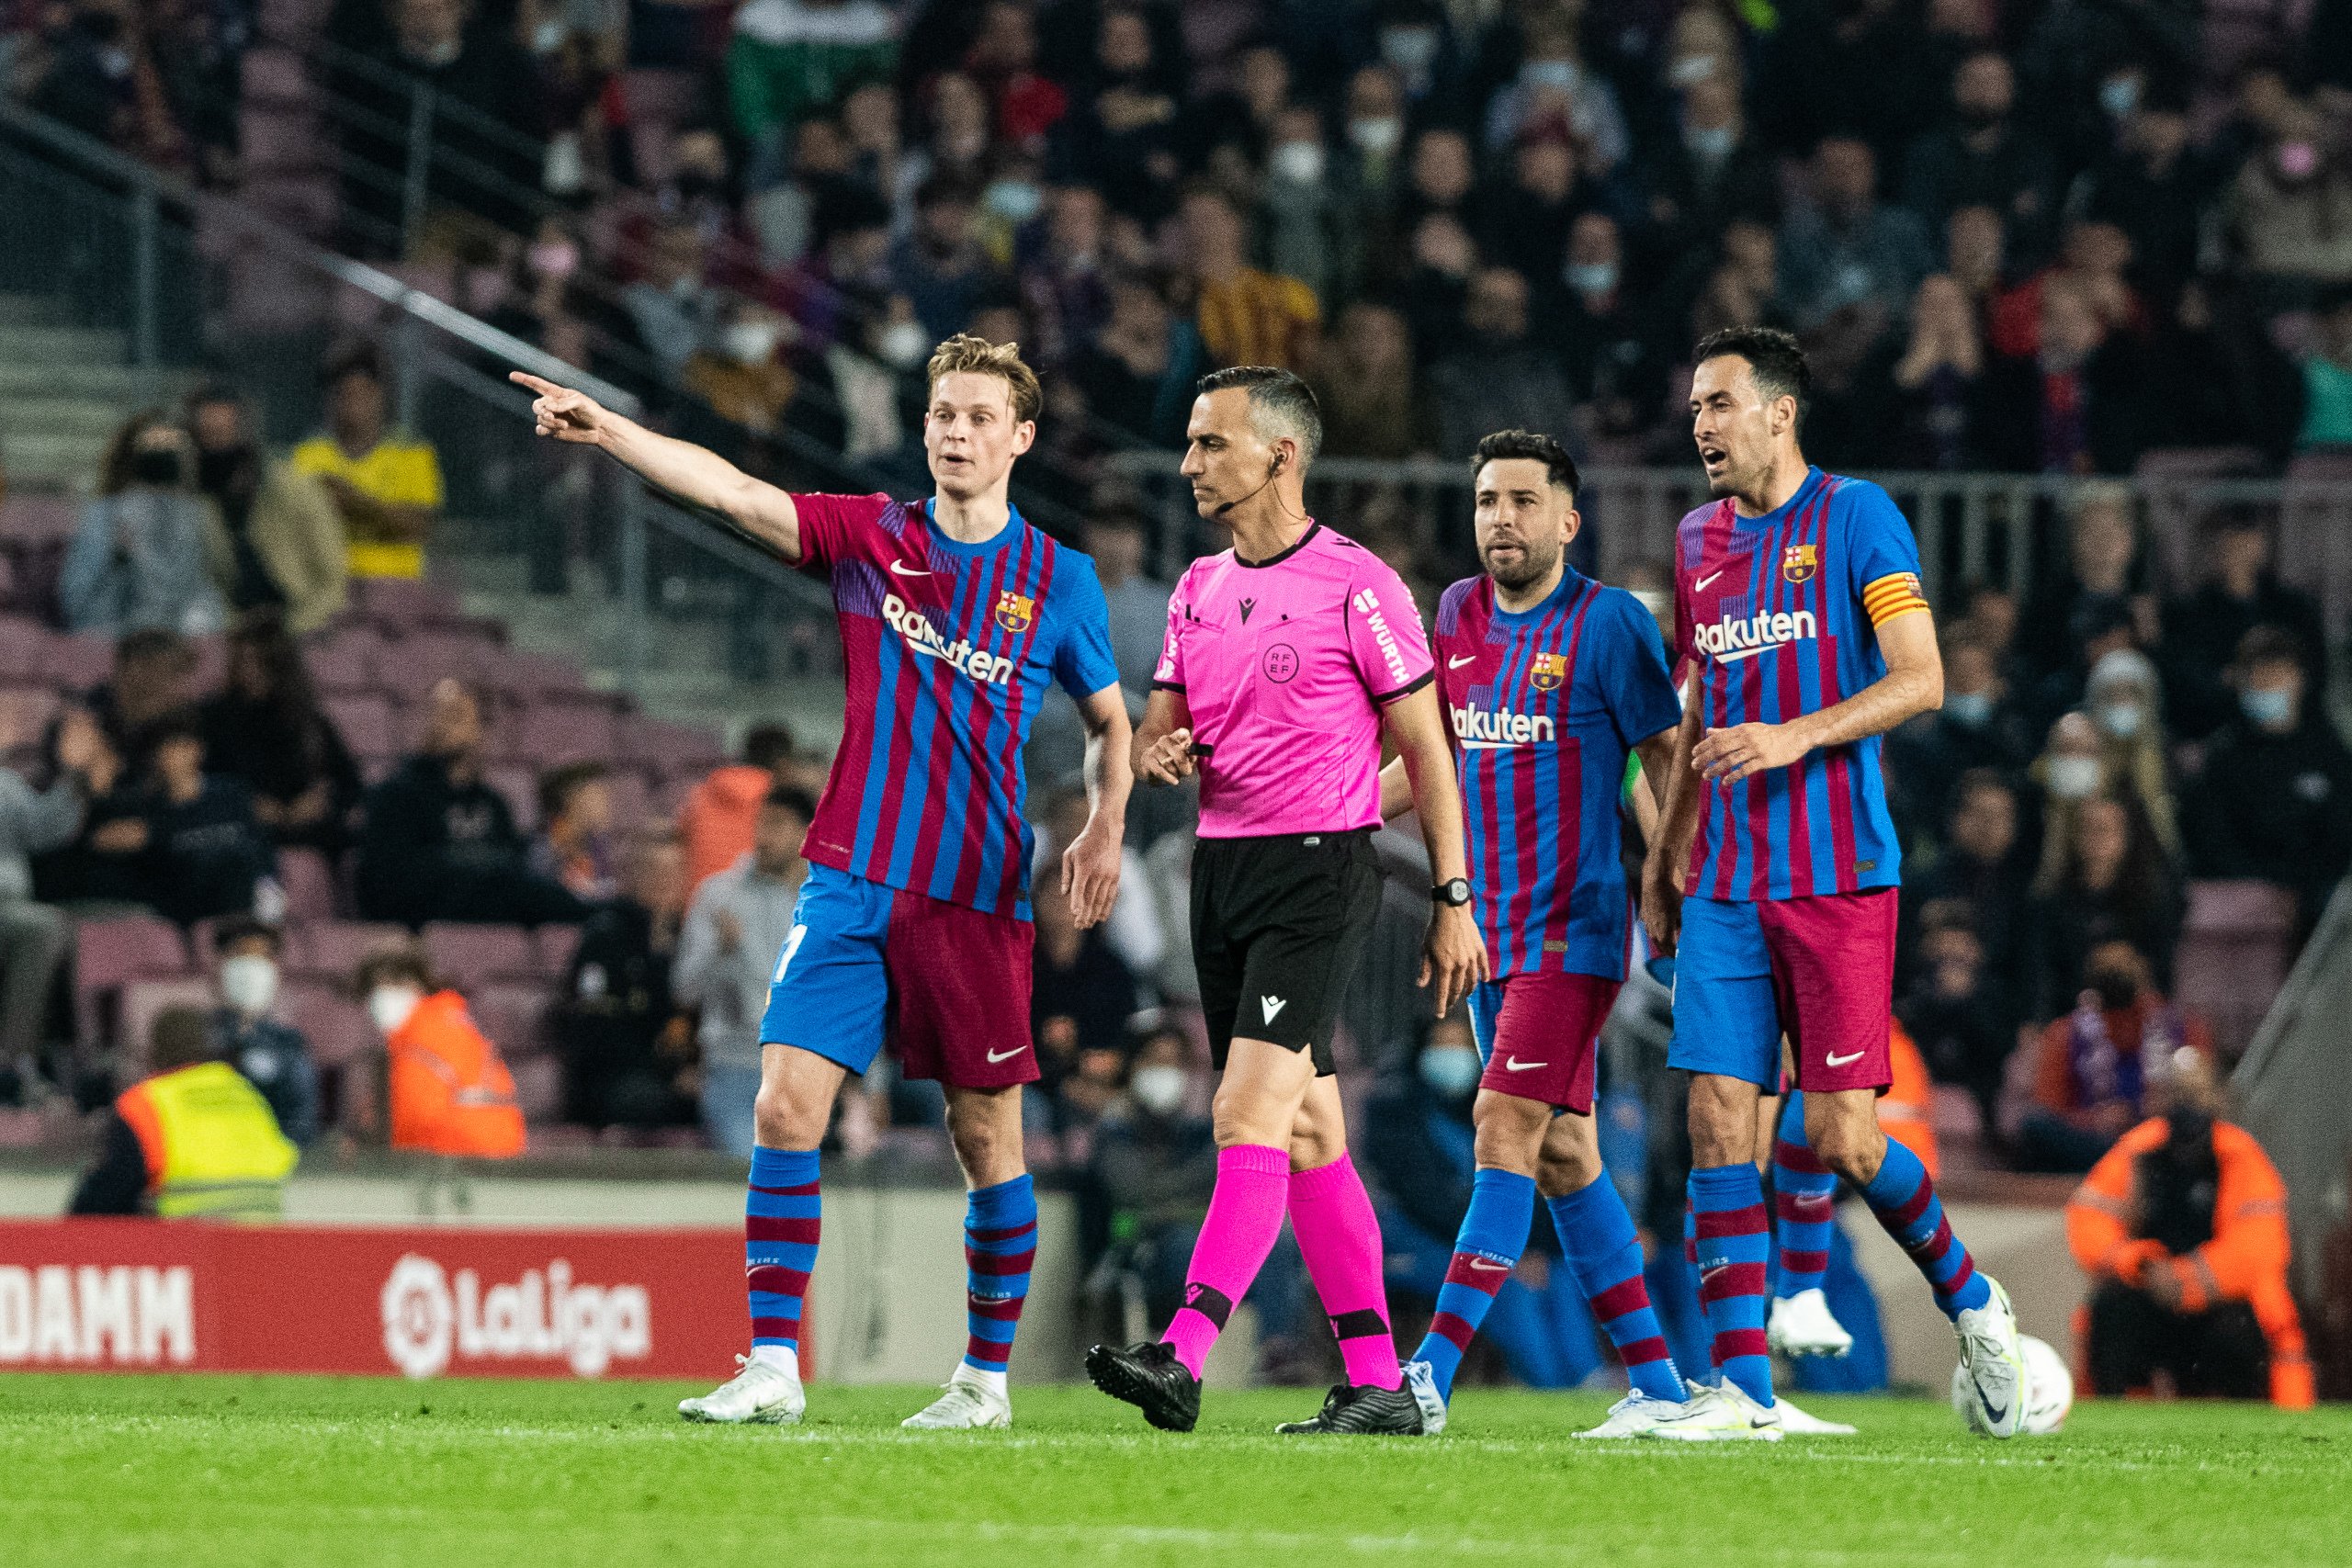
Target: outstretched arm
{"type": "Point", "coordinates": [697, 477]}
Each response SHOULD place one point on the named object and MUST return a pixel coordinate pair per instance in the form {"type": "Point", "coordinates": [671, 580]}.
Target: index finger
{"type": "Point", "coordinates": [523, 378]}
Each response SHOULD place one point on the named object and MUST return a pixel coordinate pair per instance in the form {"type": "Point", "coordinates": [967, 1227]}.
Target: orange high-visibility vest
{"type": "Point", "coordinates": [2246, 1259]}
{"type": "Point", "coordinates": [1904, 1111]}
{"type": "Point", "coordinates": [450, 1092]}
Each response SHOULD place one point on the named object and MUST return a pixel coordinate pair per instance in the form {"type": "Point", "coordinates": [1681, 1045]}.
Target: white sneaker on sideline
{"type": "Point", "coordinates": [1994, 1361]}
{"type": "Point", "coordinates": [1422, 1378]}
{"type": "Point", "coordinates": [1803, 1325]}
{"type": "Point", "coordinates": [1724, 1415]}
{"type": "Point", "coordinates": [1635, 1415]}
{"type": "Point", "coordinates": [1797, 1423]}
{"type": "Point", "coordinates": [758, 1392]}
{"type": "Point", "coordinates": [965, 1404]}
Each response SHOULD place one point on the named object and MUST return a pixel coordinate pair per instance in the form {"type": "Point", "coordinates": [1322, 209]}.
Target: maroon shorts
{"type": "Point", "coordinates": [1540, 1034]}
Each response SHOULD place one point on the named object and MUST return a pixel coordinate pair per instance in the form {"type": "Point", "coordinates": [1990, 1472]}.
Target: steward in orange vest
{"type": "Point", "coordinates": [449, 1093]}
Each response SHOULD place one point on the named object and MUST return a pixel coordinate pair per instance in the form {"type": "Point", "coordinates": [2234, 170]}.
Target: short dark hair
{"type": "Point", "coordinates": [231, 930]}
{"type": "Point", "coordinates": [558, 785]}
{"type": "Point", "coordinates": [180, 1037]}
{"type": "Point", "coordinates": [154, 642]}
{"type": "Point", "coordinates": [403, 959]}
{"type": "Point", "coordinates": [1976, 781]}
{"type": "Point", "coordinates": [792, 798]}
{"type": "Point", "coordinates": [1534, 445]}
{"type": "Point", "coordinates": [179, 723]}
{"type": "Point", "coordinates": [355, 357]}
{"type": "Point", "coordinates": [2273, 645]}
{"type": "Point", "coordinates": [1774, 358]}
{"type": "Point", "coordinates": [765, 745]}
{"type": "Point", "coordinates": [1281, 395]}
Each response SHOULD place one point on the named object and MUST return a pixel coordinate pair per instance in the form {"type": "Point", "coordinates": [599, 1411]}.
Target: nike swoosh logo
{"type": "Point", "coordinates": [1514, 1064]}
{"type": "Point", "coordinates": [1700, 586]}
{"type": "Point", "coordinates": [1490, 1267]}
{"type": "Point", "coordinates": [901, 569]}
{"type": "Point", "coordinates": [1006, 1055]}
{"type": "Point", "coordinates": [1458, 663]}
{"type": "Point", "coordinates": [1995, 1416]}
{"type": "Point", "coordinates": [1837, 1060]}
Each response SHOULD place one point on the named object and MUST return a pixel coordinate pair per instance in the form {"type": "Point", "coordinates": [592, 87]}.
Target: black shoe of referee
{"type": "Point", "coordinates": [1149, 1377]}
{"type": "Point", "coordinates": [1359, 1409]}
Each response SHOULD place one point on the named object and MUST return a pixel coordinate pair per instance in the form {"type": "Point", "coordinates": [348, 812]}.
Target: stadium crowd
{"type": "Point", "coordinates": [2036, 237]}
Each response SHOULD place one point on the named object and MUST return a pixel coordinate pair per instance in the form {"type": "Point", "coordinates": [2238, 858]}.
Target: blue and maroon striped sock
{"type": "Point", "coordinates": [1598, 1238]}
{"type": "Point", "coordinates": [1805, 1203]}
{"type": "Point", "coordinates": [999, 1246]}
{"type": "Point", "coordinates": [1733, 1241]}
{"type": "Point", "coordinates": [780, 1223]}
{"type": "Point", "coordinates": [1903, 1198]}
{"type": "Point", "coordinates": [1494, 1233]}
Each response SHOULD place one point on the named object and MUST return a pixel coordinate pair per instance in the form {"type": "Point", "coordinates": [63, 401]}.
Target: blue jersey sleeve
{"type": "Point", "coordinates": [1878, 538]}
{"type": "Point", "coordinates": [1636, 682]}
{"type": "Point", "coordinates": [1082, 661]}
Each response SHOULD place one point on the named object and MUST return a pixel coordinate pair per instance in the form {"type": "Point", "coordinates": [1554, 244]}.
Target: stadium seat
{"type": "Point", "coordinates": [553, 734]}
{"type": "Point", "coordinates": [557, 944]}
{"type": "Point", "coordinates": [632, 793]}
{"type": "Point", "coordinates": [470, 956]}
{"type": "Point", "coordinates": [519, 784]}
{"type": "Point", "coordinates": [24, 648]}
{"type": "Point", "coordinates": [309, 882]}
{"type": "Point", "coordinates": [345, 662]}
{"type": "Point", "coordinates": [332, 948]}
{"type": "Point", "coordinates": [538, 1089]}
{"type": "Point", "coordinates": [335, 1026]}
{"type": "Point", "coordinates": [366, 721]}
{"type": "Point", "coordinates": [109, 954]}
{"type": "Point", "coordinates": [25, 714]}
{"type": "Point", "coordinates": [515, 1017]}
{"type": "Point", "coordinates": [80, 660]}
{"type": "Point", "coordinates": [402, 602]}
{"type": "Point", "coordinates": [141, 1001]}
{"type": "Point", "coordinates": [2237, 945]}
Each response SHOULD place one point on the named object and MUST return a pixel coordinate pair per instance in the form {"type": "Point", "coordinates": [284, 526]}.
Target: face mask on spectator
{"type": "Point", "coordinates": [2118, 96]}
{"type": "Point", "coordinates": [554, 258]}
{"type": "Point", "coordinates": [249, 982]}
{"type": "Point", "coordinates": [1969, 710]}
{"type": "Point", "coordinates": [752, 343]}
{"type": "Point", "coordinates": [2121, 719]}
{"type": "Point", "coordinates": [1158, 1089]}
{"type": "Point", "coordinates": [900, 344]}
{"type": "Point", "coordinates": [1409, 49]}
{"type": "Point", "coordinates": [2271, 708]}
{"type": "Point", "coordinates": [1376, 138]}
{"type": "Point", "coordinates": [389, 1006]}
{"type": "Point", "coordinates": [1015, 201]}
{"type": "Point", "coordinates": [1711, 141]}
{"type": "Point", "coordinates": [1300, 163]}
{"type": "Point", "coordinates": [2075, 778]}
{"type": "Point", "coordinates": [1591, 277]}
{"type": "Point", "coordinates": [1450, 1069]}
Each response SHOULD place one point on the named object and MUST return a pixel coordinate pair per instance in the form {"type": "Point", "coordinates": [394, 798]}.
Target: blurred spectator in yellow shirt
{"type": "Point", "coordinates": [387, 485]}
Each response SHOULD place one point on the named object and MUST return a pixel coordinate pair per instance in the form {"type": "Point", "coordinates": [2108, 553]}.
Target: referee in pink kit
{"type": "Point", "coordinates": [1284, 656]}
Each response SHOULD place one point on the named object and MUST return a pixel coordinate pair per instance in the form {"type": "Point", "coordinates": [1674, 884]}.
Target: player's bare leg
{"type": "Point", "coordinates": [780, 1228]}
{"type": "Point", "coordinates": [1000, 1245]}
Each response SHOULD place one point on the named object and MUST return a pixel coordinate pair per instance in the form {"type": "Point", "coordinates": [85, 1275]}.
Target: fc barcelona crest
{"type": "Point", "coordinates": [1547, 671]}
{"type": "Point", "coordinates": [1014, 611]}
{"type": "Point", "coordinates": [1799, 563]}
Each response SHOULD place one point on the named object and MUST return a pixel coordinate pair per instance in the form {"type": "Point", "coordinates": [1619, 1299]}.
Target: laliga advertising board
{"type": "Point", "coordinates": [457, 1301]}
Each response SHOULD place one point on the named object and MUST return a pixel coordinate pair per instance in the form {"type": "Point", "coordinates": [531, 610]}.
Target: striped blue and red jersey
{"type": "Point", "coordinates": [1779, 615]}
{"type": "Point", "coordinates": [1543, 705]}
{"type": "Point", "coordinates": [947, 648]}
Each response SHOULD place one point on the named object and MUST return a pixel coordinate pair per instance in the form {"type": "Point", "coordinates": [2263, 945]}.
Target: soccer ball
{"type": "Point", "coordinates": [2050, 1390]}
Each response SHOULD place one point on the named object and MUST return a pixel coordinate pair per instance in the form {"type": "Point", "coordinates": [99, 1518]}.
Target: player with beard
{"type": "Point", "coordinates": [1287, 656]}
{"type": "Point", "coordinates": [1549, 680]}
{"type": "Point", "coordinates": [1802, 631]}
{"type": "Point", "coordinates": [913, 920]}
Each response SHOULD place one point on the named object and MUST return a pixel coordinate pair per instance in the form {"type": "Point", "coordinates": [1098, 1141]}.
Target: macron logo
{"type": "Point", "coordinates": [923, 638]}
{"type": "Point", "coordinates": [1273, 1005]}
{"type": "Point", "coordinates": [1728, 639]}
{"type": "Point", "coordinates": [1367, 604]}
{"type": "Point", "coordinates": [1499, 730]}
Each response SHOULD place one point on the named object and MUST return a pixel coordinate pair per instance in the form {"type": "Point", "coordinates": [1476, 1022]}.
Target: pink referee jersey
{"type": "Point", "coordinates": [1286, 664]}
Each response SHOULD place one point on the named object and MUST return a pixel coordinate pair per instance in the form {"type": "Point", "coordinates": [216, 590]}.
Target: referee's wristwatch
{"type": "Point", "coordinates": [1454, 893]}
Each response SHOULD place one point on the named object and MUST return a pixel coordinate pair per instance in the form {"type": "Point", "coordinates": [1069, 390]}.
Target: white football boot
{"type": "Point", "coordinates": [1797, 1423]}
{"type": "Point", "coordinates": [1803, 1325]}
{"type": "Point", "coordinates": [967, 1405]}
{"type": "Point", "coordinates": [1994, 1361]}
{"type": "Point", "coordinates": [759, 1391]}
{"type": "Point", "coordinates": [1635, 1415]}
{"type": "Point", "coordinates": [1721, 1414]}
{"type": "Point", "coordinates": [1422, 1380]}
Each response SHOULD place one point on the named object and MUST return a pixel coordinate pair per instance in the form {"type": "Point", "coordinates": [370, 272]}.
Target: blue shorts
{"type": "Point", "coordinates": [1819, 969]}
{"type": "Point", "coordinates": [947, 986]}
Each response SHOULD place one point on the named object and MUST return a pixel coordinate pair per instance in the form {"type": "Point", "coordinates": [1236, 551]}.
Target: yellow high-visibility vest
{"type": "Point", "coordinates": [213, 1147]}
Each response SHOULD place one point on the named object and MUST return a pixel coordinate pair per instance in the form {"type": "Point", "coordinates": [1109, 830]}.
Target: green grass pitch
{"type": "Point", "coordinates": [195, 1471]}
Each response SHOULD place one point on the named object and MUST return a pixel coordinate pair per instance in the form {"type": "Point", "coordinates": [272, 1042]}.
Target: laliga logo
{"type": "Point", "coordinates": [539, 1315]}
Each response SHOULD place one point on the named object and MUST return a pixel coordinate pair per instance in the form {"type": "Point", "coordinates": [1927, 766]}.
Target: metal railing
{"type": "Point", "coordinates": [2004, 531]}
{"type": "Point", "coordinates": [128, 248]}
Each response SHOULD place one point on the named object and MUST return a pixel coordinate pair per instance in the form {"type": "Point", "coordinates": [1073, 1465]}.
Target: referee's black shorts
{"type": "Point", "coordinates": [1277, 924]}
